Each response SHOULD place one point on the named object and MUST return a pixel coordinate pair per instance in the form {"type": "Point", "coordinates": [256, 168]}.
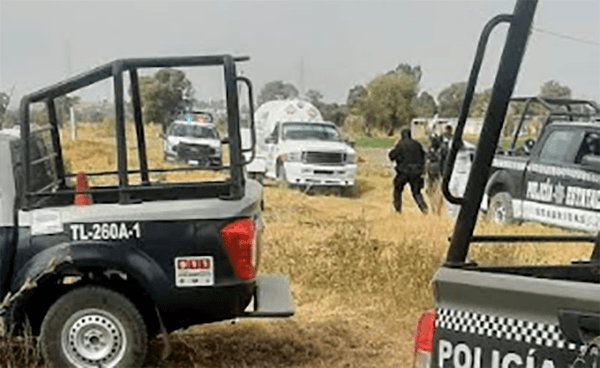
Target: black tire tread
{"type": "Point", "coordinates": [89, 297]}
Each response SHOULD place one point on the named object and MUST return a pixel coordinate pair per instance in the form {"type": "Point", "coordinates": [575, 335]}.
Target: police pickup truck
{"type": "Point", "coordinates": [554, 180]}
{"type": "Point", "coordinates": [95, 270]}
{"type": "Point", "coordinates": [537, 316]}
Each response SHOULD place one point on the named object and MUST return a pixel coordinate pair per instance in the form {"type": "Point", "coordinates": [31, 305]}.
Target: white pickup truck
{"type": "Point", "coordinates": [298, 148]}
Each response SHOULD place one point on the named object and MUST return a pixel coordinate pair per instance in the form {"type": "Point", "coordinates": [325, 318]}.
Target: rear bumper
{"type": "Point", "coordinates": [320, 175]}
{"type": "Point", "coordinates": [272, 298]}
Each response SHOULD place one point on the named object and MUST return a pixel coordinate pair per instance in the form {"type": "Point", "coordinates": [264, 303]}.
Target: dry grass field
{"type": "Point", "coordinates": [360, 274]}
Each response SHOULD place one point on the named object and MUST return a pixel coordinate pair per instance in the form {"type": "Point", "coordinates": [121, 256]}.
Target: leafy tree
{"type": "Point", "coordinates": [164, 94]}
{"type": "Point", "coordinates": [450, 99]}
{"type": "Point", "coordinates": [314, 96]}
{"type": "Point", "coordinates": [4, 101]}
{"type": "Point", "coordinates": [330, 112]}
{"type": "Point", "coordinates": [334, 113]}
{"type": "Point", "coordinates": [354, 95]}
{"type": "Point", "coordinates": [554, 89]}
{"type": "Point", "coordinates": [276, 90]}
{"type": "Point", "coordinates": [63, 107]}
{"type": "Point", "coordinates": [415, 73]}
{"type": "Point", "coordinates": [480, 103]}
{"type": "Point", "coordinates": [424, 105]}
{"type": "Point", "coordinates": [388, 102]}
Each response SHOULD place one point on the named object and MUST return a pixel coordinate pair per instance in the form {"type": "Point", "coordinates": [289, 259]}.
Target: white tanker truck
{"type": "Point", "coordinates": [295, 146]}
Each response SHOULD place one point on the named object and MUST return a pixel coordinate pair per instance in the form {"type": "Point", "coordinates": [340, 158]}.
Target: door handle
{"type": "Point", "coordinates": [579, 326]}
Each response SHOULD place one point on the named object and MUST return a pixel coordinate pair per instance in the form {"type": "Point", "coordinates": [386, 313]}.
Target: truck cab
{"type": "Point", "coordinates": [96, 269]}
{"type": "Point", "coordinates": [530, 183]}
{"type": "Point", "coordinates": [296, 147]}
{"type": "Point", "coordinates": [310, 154]}
{"type": "Point", "coordinates": [498, 316]}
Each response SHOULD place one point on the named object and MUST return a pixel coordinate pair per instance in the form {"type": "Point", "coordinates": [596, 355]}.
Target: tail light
{"type": "Point", "coordinates": [424, 339]}
{"type": "Point", "coordinates": [239, 240]}
{"type": "Point", "coordinates": [81, 185]}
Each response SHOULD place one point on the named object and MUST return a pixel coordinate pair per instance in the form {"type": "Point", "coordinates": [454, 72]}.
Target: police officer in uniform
{"type": "Point", "coordinates": [435, 158]}
{"type": "Point", "coordinates": [410, 163]}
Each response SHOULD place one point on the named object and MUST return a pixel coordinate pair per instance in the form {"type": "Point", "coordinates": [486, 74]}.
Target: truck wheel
{"type": "Point", "coordinates": [93, 326]}
{"type": "Point", "coordinates": [281, 179]}
{"type": "Point", "coordinates": [500, 209]}
{"type": "Point", "coordinates": [350, 192]}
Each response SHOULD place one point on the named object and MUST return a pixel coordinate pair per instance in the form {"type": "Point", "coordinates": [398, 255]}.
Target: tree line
{"type": "Point", "coordinates": [391, 100]}
{"type": "Point", "coordinates": [387, 102]}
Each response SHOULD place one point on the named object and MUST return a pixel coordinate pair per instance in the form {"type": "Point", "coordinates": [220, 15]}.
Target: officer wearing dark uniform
{"type": "Point", "coordinates": [433, 169]}
{"type": "Point", "coordinates": [410, 163]}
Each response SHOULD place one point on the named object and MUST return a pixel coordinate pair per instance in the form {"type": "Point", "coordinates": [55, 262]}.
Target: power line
{"type": "Point", "coordinates": [566, 37]}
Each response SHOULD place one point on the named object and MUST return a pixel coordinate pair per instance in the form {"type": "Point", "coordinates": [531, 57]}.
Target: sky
{"type": "Point", "coordinates": [326, 45]}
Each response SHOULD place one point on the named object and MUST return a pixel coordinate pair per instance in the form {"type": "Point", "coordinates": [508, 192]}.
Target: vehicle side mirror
{"type": "Point", "coordinates": [528, 145]}
{"type": "Point", "coordinates": [351, 143]}
{"type": "Point", "coordinates": [161, 135]}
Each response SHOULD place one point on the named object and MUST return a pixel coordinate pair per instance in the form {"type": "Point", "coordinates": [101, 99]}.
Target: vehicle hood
{"type": "Point", "coordinates": [314, 145]}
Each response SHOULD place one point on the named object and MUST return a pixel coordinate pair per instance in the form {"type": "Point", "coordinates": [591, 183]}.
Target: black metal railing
{"type": "Point", "coordinates": [115, 71]}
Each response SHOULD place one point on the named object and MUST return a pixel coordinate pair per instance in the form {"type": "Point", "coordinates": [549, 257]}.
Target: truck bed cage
{"type": "Point", "coordinates": [555, 107]}
{"type": "Point", "coordinates": [233, 188]}
{"type": "Point", "coordinates": [514, 49]}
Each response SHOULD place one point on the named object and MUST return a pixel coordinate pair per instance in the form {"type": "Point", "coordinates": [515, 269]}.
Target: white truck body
{"type": "Point", "coordinates": [304, 162]}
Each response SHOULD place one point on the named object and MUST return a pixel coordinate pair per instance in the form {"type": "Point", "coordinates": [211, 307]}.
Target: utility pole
{"type": "Point", "coordinates": [301, 83]}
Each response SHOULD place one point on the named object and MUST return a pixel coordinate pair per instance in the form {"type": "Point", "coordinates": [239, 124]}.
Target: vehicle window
{"type": "Point", "coordinates": [559, 147]}
{"type": "Point", "coordinates": [307, 131]}
{"type": "Point", "coordinates": [589, 151]}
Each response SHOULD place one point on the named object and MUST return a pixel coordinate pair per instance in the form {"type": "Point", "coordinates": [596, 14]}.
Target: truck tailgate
{"type": "Point", "coordinates": [498, 320]}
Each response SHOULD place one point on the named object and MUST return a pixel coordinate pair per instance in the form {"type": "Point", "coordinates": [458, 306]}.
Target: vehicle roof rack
{"type": "Point", "coordinates": [555, 107]}
{"type": "Point", "coordinates": [115, 70]}
{"type": "Point", "coordinates": [551, 104]}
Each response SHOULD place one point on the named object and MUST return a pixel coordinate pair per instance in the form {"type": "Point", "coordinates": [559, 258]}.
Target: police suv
{"type": "Point", "coordinates": [95, 270]}
{"type": "Point", "coordinates": [193, 138]}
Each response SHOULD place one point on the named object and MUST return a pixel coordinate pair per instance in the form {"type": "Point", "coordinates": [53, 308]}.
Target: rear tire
{"type": "Point", "coordinates": [93, 326]}
{"type": "Point", "coordinates": [500, 210]}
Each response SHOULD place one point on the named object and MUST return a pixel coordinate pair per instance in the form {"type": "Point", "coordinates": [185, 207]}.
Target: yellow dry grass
{"type": "Point", "coordinates": [360, 274]}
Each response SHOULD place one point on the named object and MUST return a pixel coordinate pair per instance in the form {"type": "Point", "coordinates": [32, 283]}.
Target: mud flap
{"type": "Point", "coordinates": [272, 298]}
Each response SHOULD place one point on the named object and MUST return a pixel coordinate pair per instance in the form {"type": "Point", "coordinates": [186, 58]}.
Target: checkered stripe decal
{"type": "Point", "coordinates": [503, 328]}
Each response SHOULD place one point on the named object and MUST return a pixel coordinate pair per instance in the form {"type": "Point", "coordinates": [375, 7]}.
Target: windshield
{"type": "Point", "coordinates": [193, 131]}
{"type": "Point", "coordinates": [309, 131]}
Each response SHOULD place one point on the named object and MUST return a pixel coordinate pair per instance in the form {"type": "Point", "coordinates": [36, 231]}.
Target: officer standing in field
{"type": "Point", "coordinates": [435, 158]}
{"type": "Point", "coordinates": [410, 163]}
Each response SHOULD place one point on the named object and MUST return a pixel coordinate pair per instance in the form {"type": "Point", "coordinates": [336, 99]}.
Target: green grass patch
{"type": "Point", "coordinates": [376, 142]}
